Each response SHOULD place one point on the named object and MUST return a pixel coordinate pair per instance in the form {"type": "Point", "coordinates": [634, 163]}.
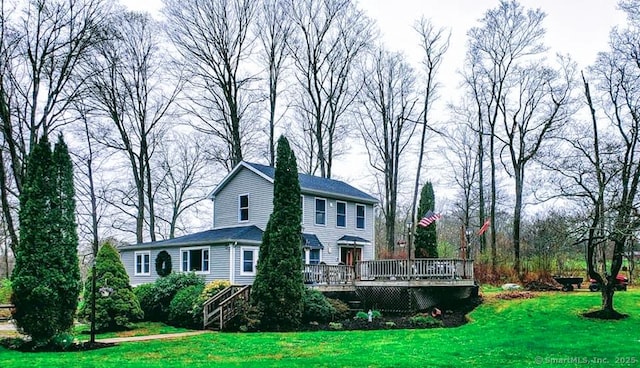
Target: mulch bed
{"type": "Point", "coordinates": [602, 314]}
{"type": "Point", "coordinates": [19, 344]}
{"type": "Point", "coordinates": [451, 315]}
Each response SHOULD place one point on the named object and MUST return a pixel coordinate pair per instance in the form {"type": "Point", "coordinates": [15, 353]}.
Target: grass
{"type": "Point", "coordinates": [516, 333]}
{"type": "Point", "coordinates": [82, 332]}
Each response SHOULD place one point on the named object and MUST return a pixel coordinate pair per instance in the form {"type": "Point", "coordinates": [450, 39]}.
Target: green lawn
{"type": "Point", "coordinates": [140, 329]}
{"type": "Point", "coordinates": [546, 331]}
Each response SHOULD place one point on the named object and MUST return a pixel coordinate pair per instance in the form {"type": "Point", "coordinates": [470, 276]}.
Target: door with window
{"type": "Point", "coordinates": [349, 256]}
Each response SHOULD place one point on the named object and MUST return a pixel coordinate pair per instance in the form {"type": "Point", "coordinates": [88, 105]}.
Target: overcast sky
{"type": "Point", "coordinates": [579, 28]}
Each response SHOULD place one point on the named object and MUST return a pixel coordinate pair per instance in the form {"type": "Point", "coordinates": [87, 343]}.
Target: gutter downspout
{"type": "Point", "coordinates": [232, 262]}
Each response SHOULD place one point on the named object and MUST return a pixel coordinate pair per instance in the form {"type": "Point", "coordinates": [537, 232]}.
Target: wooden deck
{"type": "Point", "coordinates": [421, 272]}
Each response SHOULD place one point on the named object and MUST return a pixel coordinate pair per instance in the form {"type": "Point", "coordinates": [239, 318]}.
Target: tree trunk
{"type": "Point", "coordinates": [607, 295]}
{"type": "Point", "coordinates": [517, 215]}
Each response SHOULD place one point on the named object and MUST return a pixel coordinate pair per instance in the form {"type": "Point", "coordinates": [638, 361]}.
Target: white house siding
{"type": "Point", "coordinates": [225, 213]}
{"type": "Point", "coordinates": [237, 266]}
{"type": "Point", "coordinates": [218, 263]}
{"type": "Point", "coordinates": [330, 233]}
{"type": "Point", "coordinates": [127, 257]}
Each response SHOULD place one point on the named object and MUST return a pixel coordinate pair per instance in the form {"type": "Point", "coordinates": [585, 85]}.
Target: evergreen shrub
{"type": "Point", "coordinates": [316, 307]}
{"type": "Point", "coordinates": [182, 311]}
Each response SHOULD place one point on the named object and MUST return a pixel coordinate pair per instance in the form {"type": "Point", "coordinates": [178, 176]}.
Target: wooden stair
{"type": "Point", "coordinates": [225, 305]}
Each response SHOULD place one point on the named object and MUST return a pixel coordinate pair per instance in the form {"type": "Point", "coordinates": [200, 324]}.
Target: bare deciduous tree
{"type": "Point", "coordinates": [214, 41]}
{"type": "Point", "coordinates": [434, 42]}
{"type": "Point", "coordinates": [183, 180]}
{"type": "Point", "coordinates": [388, 103]}
{"type": "Point", "coordinates": [328, 38]}
{"type": "Point", "coordinates": [462, 140]}
{"type": "Point", "coordinates": [535, 109]}
{"type": "Point", "coordinates": [508, 36]}
{"type": "Point", "coordinates": [43, 45]}
{"type": "Point", "coordinates": [274, 29]}
{"type": "Point", "coordinates": [133, 107]}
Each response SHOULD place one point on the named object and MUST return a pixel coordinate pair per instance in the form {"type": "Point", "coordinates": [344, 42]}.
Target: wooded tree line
{"type": "Point", "coordinates": [156, 111]}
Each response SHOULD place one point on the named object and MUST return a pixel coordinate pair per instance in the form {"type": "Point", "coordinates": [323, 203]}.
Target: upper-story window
{"type": "Point", "coordinates": [301, 209]}
{"type": "Point", "coordinates": [243, 207]}
{"type": "Point", "coordinates": [321, 211]}
{"type": "Point", "coordinates": [341, 214]}
{"type": "Point", "coordinates": [360, 216]}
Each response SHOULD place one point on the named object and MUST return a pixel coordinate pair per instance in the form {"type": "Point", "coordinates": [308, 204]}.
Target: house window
{"type": "Point", "coordinates": [314, 256]}
{"type": "Point", "coordinates": [302, 209]}
{"type": "Point", "coordinates": [360, 216]}
{"type": "Point", "coordinates": [321, 211]}
{"type": "Point", "coordinates": [243, 208]}
{"type": "Point", "coordinates": [195, 259]}
{"type": "Point", "coordinates": [311, 256]}
{"type": "Point", "coordinates": [341, 214]}
{"type": "Point", "coordinates": [142, 263]}
{"type": "Point", "coordinates": [248, 261]}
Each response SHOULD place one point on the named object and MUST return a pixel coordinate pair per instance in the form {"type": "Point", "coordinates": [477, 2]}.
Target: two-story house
{"type": "Point", "coordinates": [337, 226]}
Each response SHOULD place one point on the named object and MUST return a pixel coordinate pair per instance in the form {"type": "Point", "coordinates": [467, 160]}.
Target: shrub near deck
{"type": "Point", "coordinates": [513, 333]}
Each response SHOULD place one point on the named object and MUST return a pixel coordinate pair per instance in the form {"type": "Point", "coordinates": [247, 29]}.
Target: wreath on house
{"type": "Point", "coordinates": [163, 263]}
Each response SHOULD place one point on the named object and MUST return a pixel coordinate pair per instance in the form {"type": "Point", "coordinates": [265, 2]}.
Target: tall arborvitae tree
{"type": "Point", "coordinates": [426, 242]}
{"type": "Point", "coordinates": [116, 305]}
{"type": "Point", "coordinates": [46, 278]}
{"type": "Point", "coordinates": [278, 288]}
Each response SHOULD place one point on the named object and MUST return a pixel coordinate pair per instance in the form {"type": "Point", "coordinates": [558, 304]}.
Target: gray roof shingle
{"type": "Point", "coordinates": [311, 241]}
{"type": "Point", "coordinates": [352, 239]}
{"type": "Point", "coordinates": [318, 185]}
{"type": "Point", "coordinates": [245, 234]}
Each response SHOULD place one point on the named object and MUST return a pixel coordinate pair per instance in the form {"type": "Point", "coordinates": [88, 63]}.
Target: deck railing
{"type": "Point", "coordinates": [423, 268]}
{"type": "Point", "coordinates": [328, 274]}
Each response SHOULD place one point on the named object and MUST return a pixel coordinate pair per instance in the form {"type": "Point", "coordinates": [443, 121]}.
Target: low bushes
{"type": "Point", "coordinates": [156, 299]}
{"type": "Point", "coordinates": [177, 299]}
{"type": "Point", "coordinates": [316, 307]}
{"type": "Point", "coordinates": [183, 311]}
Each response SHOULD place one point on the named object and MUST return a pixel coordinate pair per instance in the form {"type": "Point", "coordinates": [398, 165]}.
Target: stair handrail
{"type": "Point", "coordinates": [210, 306]}
{"type": "Point", "coordinates": [230, 305]}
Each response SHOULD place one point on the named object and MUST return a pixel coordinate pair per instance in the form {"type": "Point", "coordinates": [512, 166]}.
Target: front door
{"type": "Point", "coordinates": [349, 255]}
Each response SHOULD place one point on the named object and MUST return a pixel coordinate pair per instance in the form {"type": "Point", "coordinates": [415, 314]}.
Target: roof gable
{"type": "Point", "coordinates": [309, 184]}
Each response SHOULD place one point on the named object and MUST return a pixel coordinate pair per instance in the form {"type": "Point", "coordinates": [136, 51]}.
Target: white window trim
{"type": "Point", "coordinates": [135, 263]}
{"type": "Point", "coordinates": [307, 256]}
{"type": "Point", "coordinates": [240, 208]}
{"type": "Point", "coordinates": [255, 251]}
{"type": "Point", "coordinates": [315, 211]}
{"type": "Point", "coordinates": [346, 218]}
{"type": "Point", "coordinates": [365, 217]}
{"type": "Point", "coordinates": [208, 249]}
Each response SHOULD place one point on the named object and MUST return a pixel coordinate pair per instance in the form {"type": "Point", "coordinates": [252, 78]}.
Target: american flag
{"type": "Point", "coordinates": [484, 227]}
{"type": "Point", "coordinates": [428, 218]}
